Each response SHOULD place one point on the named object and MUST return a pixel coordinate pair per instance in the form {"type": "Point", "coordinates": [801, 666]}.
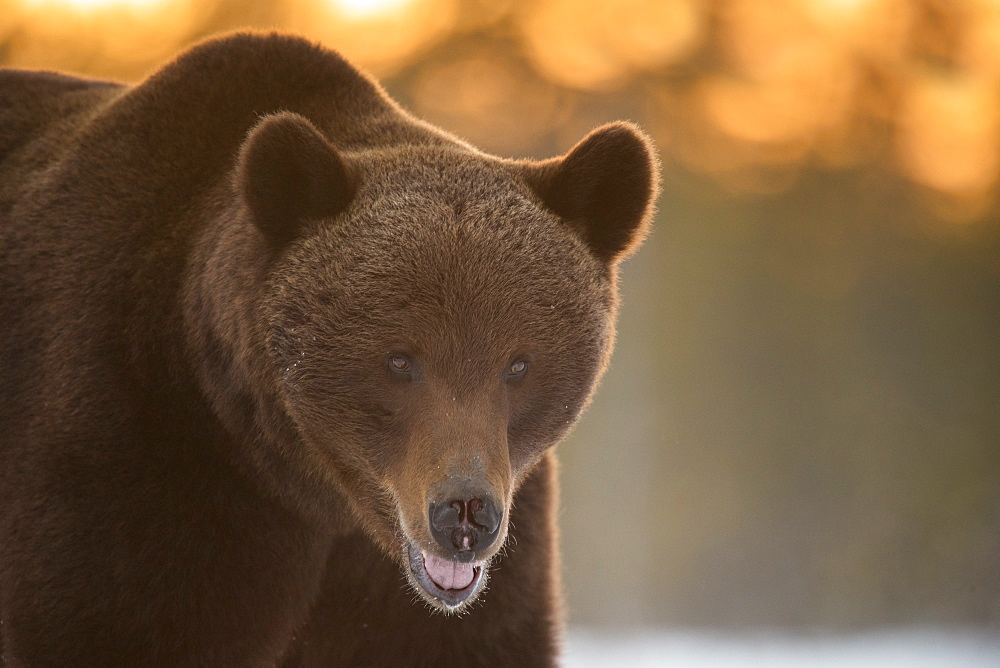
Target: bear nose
{"type": "Point", "coordinates": [464, 526]}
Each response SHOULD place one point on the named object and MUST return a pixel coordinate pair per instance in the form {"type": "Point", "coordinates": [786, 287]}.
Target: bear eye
{"type": "Point", "coordinates": [517, 369]}
{"type": "Point", "coordinates": [399, 363]}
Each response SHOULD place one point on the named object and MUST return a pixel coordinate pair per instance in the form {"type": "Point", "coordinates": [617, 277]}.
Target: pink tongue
{"type": "Point", "coordinates": [448, 574]}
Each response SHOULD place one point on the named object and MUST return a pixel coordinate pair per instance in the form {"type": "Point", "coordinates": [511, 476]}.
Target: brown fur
{"type": "Point", "coordinates": [204, 456]}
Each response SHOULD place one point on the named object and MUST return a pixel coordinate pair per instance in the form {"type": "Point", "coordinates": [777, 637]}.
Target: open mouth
{"type": "Point", "coordinates": [448, 583]}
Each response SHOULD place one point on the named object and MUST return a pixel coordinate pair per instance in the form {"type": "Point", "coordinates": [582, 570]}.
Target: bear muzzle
{"type": "Point", "coordinates": [466, 522]}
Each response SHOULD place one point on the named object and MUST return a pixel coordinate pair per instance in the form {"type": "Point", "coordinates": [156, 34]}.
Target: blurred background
{"type": "Point", "coordinates": [800, 429]}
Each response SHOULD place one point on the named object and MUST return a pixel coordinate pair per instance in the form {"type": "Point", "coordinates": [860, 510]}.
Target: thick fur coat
{"type": "Point", "coordinates": [281, 367]}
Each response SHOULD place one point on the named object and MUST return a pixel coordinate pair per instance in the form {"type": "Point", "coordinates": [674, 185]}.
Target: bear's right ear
{"type": "Point", "coordinates": [604, 188]}
{"type": "Point", "coordinates": [288, 173]}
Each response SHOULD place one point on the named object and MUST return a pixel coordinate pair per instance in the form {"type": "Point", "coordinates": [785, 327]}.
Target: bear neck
{"type": "Point", "coordinates": [227, 355]}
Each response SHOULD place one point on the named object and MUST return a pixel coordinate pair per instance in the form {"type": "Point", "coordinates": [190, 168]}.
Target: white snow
{"type": "Point", "coordinates": [907, 648]}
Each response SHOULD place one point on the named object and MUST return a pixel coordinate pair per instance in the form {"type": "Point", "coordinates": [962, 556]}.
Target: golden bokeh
{"type": "Point", "coordinates": [591, 44]}
{"type": "Point", "coordinates": [381, 35]}
{"type": "Point", "coordinates": [112, 38]}
{"type": "Point", "coordinates": [746, 92]}
{"type": "Point", "coordinates": [484, 97]}
{"type": "Point", "coordinates": [949, 131]}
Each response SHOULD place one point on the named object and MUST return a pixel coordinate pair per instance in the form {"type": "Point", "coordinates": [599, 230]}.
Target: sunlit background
{"type": "Point", "coordinates": [801, 427]}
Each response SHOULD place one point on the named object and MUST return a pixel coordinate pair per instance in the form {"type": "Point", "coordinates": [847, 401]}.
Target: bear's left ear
{"type": "Point", "coordinates": [288, 173]}
{"type": "Point", "coordinates": [604, 188]}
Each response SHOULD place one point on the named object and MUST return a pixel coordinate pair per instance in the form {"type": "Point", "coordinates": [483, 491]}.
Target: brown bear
{"type": "Point", "coordinates": [282, 367]}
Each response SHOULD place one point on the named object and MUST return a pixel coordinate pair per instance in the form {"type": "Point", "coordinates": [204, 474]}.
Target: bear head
{"type": "Point", "coordinates": [434, 320]}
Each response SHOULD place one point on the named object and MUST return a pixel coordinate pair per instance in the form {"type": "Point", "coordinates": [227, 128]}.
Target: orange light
{"type": "Point", "coordinates": [368, 8]}
{"type": "Point", "coordinates": [949, 132]}
{"type": "Point", "coordinates": [91, 5]}
{"type": "Point", "coordinates": [980, 51]}
{"type": "Point", "coordinates": [811, 92]}
{"type": "Point", "coordinates": [380, 35]}
{"type": "Point", "coordinates": [841, 11]}
{"type": "Point", "coordinates": [598, 45]}
{"type": "Point", "coordinates": [486, 98]}
{"type": "Point", "coordinates": [118, 38]}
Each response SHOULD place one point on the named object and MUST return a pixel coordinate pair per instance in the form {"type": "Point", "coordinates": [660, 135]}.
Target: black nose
{"type": "Point", "coordinates": [466, 525]}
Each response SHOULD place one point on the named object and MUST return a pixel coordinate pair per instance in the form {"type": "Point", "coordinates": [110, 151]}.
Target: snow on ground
{"type": "Point", "coordinates": [909, 648]}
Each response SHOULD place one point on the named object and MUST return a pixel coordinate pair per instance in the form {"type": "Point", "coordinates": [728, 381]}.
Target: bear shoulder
{"type": "Point", "coordinates": [183, 126]}
{"type": "Point", "coordinates": [211, 96]}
